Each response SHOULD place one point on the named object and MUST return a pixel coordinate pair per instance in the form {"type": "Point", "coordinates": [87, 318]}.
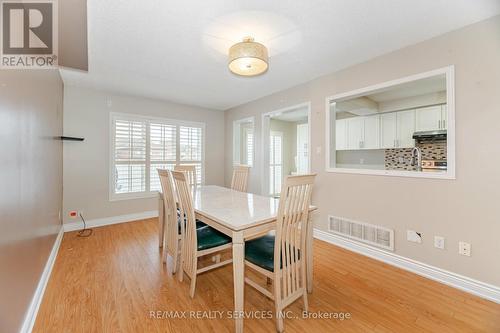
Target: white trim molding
{"type": "Point", "coordinates": [265, 133]}
{"type": "Point", "coordinates": [330, 152]}
{"type": "Point", "coordinates": [78, 225]}
{"type": "Point", "coordinates": [36, 301]}
{"type": "Point", "coordinates": [475, 287]}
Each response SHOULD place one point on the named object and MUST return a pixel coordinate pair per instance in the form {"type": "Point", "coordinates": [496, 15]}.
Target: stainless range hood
{"type": "Point", "coordinates": [437, 135]}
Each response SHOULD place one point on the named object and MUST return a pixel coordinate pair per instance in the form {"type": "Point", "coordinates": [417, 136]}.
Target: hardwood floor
{"type": "Point", "coordinates": [112, 281]}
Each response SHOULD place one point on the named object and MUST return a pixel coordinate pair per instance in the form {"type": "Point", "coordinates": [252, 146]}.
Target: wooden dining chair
{"type": "Point", "coordinates": [196, 243]}
{"type": "Point", "coordinates": [172, 236]}
{"type": "Point", "coordinates": [282, 257]}
{"type": "Point", "coordinates": [190, 170]}
{"type": "Point", "coordinates": [240, 178]}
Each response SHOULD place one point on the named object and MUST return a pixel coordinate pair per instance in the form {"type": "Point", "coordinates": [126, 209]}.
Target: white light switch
{"type": "Point", "coordinates": [439, 242]}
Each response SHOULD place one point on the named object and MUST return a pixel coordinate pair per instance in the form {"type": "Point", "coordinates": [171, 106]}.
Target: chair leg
{"type": "Point", "coordinates": [175, 265]}
{"type": "Point", "coordinates": [279, 319]}
{"type": "Point", "coordinates": [306, 303]}
{"type": "Point", "coordinates": [193, 285]}
{"type": "Point", "coordinates": [304, 286]}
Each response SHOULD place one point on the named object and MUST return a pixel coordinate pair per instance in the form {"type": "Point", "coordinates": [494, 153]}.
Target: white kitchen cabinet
{"type": "Point", "coordinates": [371, 132]}
{"type": "Point", "coordinates": [363, 132]}
{"type": "Point", "coordinates": [396, 129]}
{"type": "Point", "coordinates": [355, 129]}
{"type": "Point", "coordinates": [341, 134]}
{"type": "Point", "coordinates": [388, 130]}
{"type": "Point", "coordinates": [429, 118]}
{"type": "Point", "coordinates": [405, 128]}
{"type": "Point", "coordinates": [444, 117]}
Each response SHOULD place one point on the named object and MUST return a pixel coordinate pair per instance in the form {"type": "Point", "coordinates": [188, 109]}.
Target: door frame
{"type": "Point", "coordinates": [264, 187]}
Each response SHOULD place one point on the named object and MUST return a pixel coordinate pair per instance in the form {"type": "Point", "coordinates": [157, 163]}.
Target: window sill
{"type": "Point", "coordinates": [394, 173]}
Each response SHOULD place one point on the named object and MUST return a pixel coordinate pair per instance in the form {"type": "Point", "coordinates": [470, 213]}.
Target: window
{"type": "Point", "coordinates": [249, 146]}
{"type": "Point", "coordinates": [275, 162]}
{"type": "Point", "coordinates": [141, 145]}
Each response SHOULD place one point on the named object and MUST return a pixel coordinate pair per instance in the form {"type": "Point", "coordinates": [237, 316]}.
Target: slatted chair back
{"type": "Point", "coordinates": [170, 212]}
{"type": "Point", "coordinates": [188, 229]}
{"type": "Point", "coordinates": [190, 171]}
{"type": "Point", "coordinates": [240, 178]}
{"type": "Point", "coordinates": [290, 242]}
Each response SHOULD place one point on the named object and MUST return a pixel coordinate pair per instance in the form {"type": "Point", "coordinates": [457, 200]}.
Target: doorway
{"type": "Point", "coordinates": [285, 146]}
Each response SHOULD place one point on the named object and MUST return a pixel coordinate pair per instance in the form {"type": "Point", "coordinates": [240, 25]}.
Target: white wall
{"type": "Point", "coordinates": [462, 209]}
{"type": "Point", "coordinates": [86, 164]}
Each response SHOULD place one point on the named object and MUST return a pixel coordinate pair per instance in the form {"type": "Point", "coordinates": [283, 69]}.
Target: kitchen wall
{"type": "Point", "coordinates": [31, 177]}
{"type": "Point", "coordinates": [86, 164]}
{"type": "Point", "coordinates": [462, 209]}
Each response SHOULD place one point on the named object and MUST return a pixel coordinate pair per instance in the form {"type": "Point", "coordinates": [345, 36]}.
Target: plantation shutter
{"type": "Point", "coordinates": [163, 151]}
{"type": "Point", "coordinates": [129, 156]}
{"type": "Point", "coordinates": [191, 148]}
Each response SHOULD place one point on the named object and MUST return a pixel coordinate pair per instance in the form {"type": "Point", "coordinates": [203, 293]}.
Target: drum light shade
{"type": "Point", "coordinates": [248, 58]}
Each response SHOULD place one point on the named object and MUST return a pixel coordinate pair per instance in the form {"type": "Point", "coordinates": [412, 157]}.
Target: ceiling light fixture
{"type": "Point", "coordinates": [248, 58]}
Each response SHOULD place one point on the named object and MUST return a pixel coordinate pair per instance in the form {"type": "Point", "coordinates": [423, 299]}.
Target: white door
{"type": "Point", "coordinates": [275, 162]}
{"type": "Point", "coordinates": [302, 148]}
{"type": "Point", "coordinates": [355, 132]}
{"type": "Point", "coordinates": [388, 131]}
{"type": "Point", "coordinates": [371, 134]}
{"type": "Point", "coordinates": [341, 134]}
{"type": "Point", "coordinates": [428, 118]}
{"type": "Point", "coordinates": [406, 128]}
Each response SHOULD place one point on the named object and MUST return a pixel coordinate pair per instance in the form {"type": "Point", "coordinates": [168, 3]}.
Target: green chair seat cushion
{"type": "Point", "coordinates": [260, 252]}
{"type": "Point", "coordinates": [209, 238]}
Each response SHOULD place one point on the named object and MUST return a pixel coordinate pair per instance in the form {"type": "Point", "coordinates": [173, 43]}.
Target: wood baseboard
{"type": "Point", "coordinates": [475, 287]}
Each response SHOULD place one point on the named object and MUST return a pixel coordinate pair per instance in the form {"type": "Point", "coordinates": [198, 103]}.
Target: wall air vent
{"type": "Point", "coordinates": [373, 235]}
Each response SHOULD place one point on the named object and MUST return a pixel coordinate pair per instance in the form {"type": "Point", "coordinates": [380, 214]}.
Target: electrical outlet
{"type": "Point", "coordinates": [464, 248]}
{"type": "Point", "coordinates": [74, 214]}
{"type": "Point", "coordinates": [413, 236]}
{"type": "Point", "coordinates": [439, 242]}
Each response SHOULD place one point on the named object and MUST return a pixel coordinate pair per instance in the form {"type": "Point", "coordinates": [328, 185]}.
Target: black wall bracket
{"type": "Point", "coordinates": [71, 138]}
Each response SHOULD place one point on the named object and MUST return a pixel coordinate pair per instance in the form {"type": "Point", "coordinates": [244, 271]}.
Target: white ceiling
{"type": "Point", "coordinates": [176, 50]}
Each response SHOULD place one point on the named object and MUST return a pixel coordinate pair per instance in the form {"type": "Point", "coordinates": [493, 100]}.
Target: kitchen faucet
{"type": "Point", "coordinates": [416, 158]}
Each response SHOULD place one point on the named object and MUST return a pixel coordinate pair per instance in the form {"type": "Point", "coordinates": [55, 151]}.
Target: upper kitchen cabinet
{"type": "Point", "coordinates": [431, 118]}
{"type": "Point", "coordinates": [396, 129]}
{"type": "Point", "coordinates": [358, 133]}
{"type": "Point", "coordinates": [403, 127]}
{"type": "Point", "coordinates": [341, 134]}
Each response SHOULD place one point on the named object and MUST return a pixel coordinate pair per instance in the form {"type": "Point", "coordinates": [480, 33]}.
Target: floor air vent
{"type": "Point", "coordinates": [362, 232]}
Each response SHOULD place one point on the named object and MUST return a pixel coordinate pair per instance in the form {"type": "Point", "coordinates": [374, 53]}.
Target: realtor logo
{"type": "Point", "coordinates": [29, 34]}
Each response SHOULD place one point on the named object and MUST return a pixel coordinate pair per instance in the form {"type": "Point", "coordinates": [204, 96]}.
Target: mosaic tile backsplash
{"type": "Point", "coordinates": [400, 158]}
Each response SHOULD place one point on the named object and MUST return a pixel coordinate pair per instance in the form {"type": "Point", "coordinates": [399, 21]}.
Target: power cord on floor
{"type": "Point", "coordinates": [84, 232]}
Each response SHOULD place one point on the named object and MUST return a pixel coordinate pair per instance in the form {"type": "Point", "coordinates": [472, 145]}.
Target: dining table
{"type": "Point", "coordinates": [241, 216]}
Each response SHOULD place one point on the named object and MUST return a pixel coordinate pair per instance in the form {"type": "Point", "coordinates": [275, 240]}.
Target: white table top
{"type": "Point", "coordinates": [233, 209]}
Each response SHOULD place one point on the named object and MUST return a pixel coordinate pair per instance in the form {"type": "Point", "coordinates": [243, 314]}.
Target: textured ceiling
{"type": "Point", "coordinates": [176, 50]}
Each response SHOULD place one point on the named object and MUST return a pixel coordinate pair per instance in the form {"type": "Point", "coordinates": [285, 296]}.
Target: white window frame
{"type": "Point", "coordinates": [134, 117]}
{"type": "Point", "coordinates": [449, 71]}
